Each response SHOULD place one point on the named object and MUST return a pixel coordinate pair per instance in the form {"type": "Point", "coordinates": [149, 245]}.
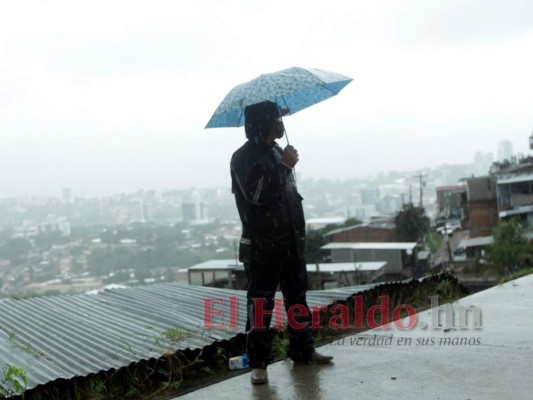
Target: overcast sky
{"type": "Point", "coordinates": [110, 96]}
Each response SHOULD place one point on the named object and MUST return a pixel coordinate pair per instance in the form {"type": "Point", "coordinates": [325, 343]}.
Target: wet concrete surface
{"type": "Point", "coordinates": [494, 361]}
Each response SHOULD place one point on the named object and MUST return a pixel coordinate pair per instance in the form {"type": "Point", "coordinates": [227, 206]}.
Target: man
{"type": "Point", "coordinates": [272, 243]}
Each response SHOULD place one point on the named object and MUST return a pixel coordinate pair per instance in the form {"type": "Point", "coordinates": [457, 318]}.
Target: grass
{"type": "Point", "coordinates": [176, 334]}
{"type": "Point", "coordinates": [434, 240]}
{"type": "Point", "coordinates": [518, 274]}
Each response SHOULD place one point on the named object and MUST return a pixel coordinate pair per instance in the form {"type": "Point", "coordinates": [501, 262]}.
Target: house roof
{"type": "Point", "coordinates": [450, 188]}
{"type": "Point", "coordinates": [475, 242]}
{"type": "Point", "coordinates": [325, 220]}
{"type": "Point", "coordinates": [516, 211]}
{"type": "Point", "coordinates": [347, 266]}
{"type": "Point", "coordinates": [485, 240]}
{"type": "Point", "coordinates": [383, 225]}
{"type": "Point", "coordinates": [217, 265]}
{"type": "Point", "coordinates": [68, 336]}
{"type": "Point", "coordinates": [370, 246]}
{"type": "Point", "coordinates": [514, 178]}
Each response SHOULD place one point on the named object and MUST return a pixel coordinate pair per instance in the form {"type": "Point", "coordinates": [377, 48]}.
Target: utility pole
{"type": "Point", "coordinates": [421, 183]}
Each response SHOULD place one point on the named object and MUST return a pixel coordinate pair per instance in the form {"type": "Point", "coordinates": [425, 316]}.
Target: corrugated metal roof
{"type": "Point", "coordinates": [370, 246]}
{"type": "Point", "coordinates": [450, 188]}
{"type": "Point", "coordinates": [475, 242]}
{"type": "Point", "coordinates": [517, 210]}
{"type": "Point", "coordinates": [75, 335]}
{"type": "Point", "coordinates": [372, 225]}
{"type": "Point", "coordinates": [514, 178]}
{"type": "Point", "coordinates": [347, 266]}
{"type": "Point", "coordinates": [217, 264]}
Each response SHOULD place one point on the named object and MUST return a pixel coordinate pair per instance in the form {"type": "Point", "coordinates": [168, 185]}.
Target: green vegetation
{"type": "Point", "coordinates": [412, 224]}
{"type": "Point", "coordinates": [15, 250]}
{"type": "Point", "coordinates": [518, 274]}
{"type": "Point", "coordinates": [316, 238]}
{"type": "Point", "coordinates": [13, 382]}
{"type": "Point", "coordinates": [433, 241]}
{"type": "Point", "coordinates": [280, 343]}
{"type": "Point", "coordinates": [221, 357]}
{"type": "Point", "coordinates": [510, 252]}
{"type": "Point", "coordinates": [98, 390]}
{"type": "Point", "coordinates": [447, 291]}
{"type": "Point", "coordinates": [176, 334]}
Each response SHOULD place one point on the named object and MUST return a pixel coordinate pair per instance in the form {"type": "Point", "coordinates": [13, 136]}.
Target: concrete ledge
{"type": "Point", "coordinates": [493, 362]}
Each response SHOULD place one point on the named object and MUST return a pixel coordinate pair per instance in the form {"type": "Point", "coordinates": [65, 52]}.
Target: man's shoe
{"type": "Point", "coordinates": [259, 375]}
{"type": "Point", "coordinates": [316, 358]}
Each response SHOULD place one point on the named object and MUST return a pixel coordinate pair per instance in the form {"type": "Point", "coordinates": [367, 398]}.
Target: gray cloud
{"type": "Point", "coordinates": [472, 22]}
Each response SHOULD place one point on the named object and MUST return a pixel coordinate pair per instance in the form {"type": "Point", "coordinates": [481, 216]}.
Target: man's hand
{"type": "Point", "coordinates": [289, 157]}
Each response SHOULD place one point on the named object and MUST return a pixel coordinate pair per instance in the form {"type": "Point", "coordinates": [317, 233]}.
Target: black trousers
{"type": "Point", "coordinates": [272, 264]}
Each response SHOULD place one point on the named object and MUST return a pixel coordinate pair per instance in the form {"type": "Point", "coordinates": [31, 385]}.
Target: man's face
{"type": "Point", "coordinates": [278, 128]}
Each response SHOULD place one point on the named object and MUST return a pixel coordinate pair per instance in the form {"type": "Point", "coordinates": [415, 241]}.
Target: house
{"type": "Point", "coordinates": [218, 273]}
{"type": "Point", "coordinates": [399, 256]}
{"type": "Point", "coordinates": [507, 192]}
{"type": "Point", "coordinates": [333, 275]}
{"type": "Point", "coordinates": [451, 202]}
{"type": "Point", "coordinates": [228, 274]}
{"type": "Point", "coordinates": [482, 206]}
{"type": "Point", "coordinates": [379, 231]}
{"type": "Point", "coordinates": [515, 196]}
{"type": "Point", "coordinates": [473, 247]}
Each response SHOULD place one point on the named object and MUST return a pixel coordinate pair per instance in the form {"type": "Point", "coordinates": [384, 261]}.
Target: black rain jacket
{"type": "Point", "coordinates": [268, 202]}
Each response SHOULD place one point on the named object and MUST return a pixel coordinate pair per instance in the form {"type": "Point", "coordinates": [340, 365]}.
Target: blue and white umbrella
{"type": "Point", "coordinates": [293, 89]}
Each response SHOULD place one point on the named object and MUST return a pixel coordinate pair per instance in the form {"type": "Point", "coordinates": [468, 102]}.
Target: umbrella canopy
{"type": "Point", "coordinates": [293, 88]}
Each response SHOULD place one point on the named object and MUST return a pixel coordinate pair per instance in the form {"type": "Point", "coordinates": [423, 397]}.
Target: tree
{"type": "Point", "coordinates": [15, 250]}
{"type": "Point", "coordinates": [510, 250]}
{"type": "Point", "coordinates": [412, 224]}
{"type": "Point", "coordinates": [316, 238]}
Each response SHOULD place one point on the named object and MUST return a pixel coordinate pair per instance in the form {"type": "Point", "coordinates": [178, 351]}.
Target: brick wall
{"type": "Point", "coordinates": [365, 234]}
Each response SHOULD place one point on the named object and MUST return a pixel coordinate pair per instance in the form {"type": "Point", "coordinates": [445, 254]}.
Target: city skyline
{"type": "Point", "coordinates": [479, 166]}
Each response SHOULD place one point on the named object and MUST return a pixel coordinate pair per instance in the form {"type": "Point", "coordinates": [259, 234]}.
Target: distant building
{"type": "Point", "coordinates": [366, 212]}
{"type": "Point", "coordinates": [506, 193]}
{"type": "Point", "coordinates": [136, 210]}
{"type": "Point", "coordinates": [147, 211]}
{"type": "Point", "coordinates": [400, 257]}
{"type": "Point", "coordinates": [55, 224]}
{"type": "Point", "coordinates": [333, 275]}
{"type": "Point", "coordinates": [482, 163]}
{"type": "Point", "coordinates": [194, 212]}
{"type": "Point", "coordinates": [369, 197]}
{"type": "Point", "coordinates": [505, 151]}
{"type": "Point", "coordinates": [218, 273]}
{"type": "Point", "coordinates": [194, 209]}
{"type": "Point", "coordinates": [515, 196]}
{"type": "Point", "coordinates": [451, 202]}
{"type": "Point", "coordinates": [318, 223]}
{"type": "Point", "coordinates": [390, 204]}
{"type": "Point", "coordinates": [372, 232]}
{"type": "Point", "coordinates": [482, 206]}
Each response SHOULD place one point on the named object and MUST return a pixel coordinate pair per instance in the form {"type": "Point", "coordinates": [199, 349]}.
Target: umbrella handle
{"type": "Point", "coordinates": [293, 168]}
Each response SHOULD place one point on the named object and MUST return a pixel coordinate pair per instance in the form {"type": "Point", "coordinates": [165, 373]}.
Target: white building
{"type": "Point", "coordinates": [505, 151]}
